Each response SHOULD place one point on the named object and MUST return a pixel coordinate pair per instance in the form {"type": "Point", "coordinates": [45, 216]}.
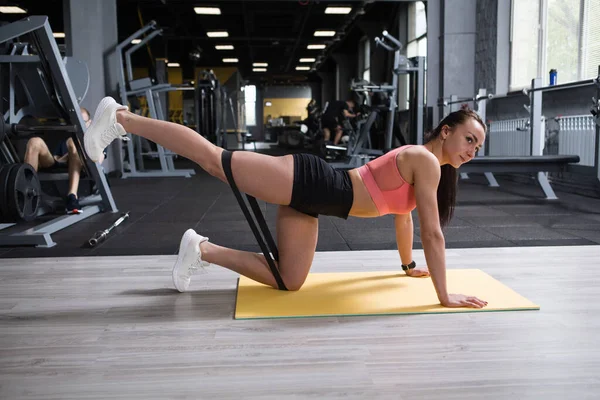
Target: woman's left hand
{"type": "Point", "coordinates": [417, 273]}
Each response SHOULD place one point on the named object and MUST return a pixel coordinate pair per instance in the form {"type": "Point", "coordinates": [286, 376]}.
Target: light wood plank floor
{"type": "Point", "coordinates": [113, 328]}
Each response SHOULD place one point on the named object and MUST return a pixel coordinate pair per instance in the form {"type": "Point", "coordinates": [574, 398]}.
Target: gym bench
{"type": "Point", "coordinates": [521, 164]}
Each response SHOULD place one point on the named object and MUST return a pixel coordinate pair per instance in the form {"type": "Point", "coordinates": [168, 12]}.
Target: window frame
{"type": "Point", "coordinates": [250, 111]}
{"type": "Point", "coordinates": [541, 62]}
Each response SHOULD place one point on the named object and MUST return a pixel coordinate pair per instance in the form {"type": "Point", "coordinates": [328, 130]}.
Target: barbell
{"type": "Point", "coordinates": [7, 129]}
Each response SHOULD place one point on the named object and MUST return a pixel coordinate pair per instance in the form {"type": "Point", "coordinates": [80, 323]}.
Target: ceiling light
{"type": "Point", "coordinates": [338, 10]}
{"type": "Point", "coordinates": [173, 64]}
{"type": "Point", "coordinates": [58, 35]}
{"type": "Point", "coordinates": [315, 46]}
{"type": "Point", "coordinates": [12, 10]}
{"type": "Point", "coordinates": [208, 10]}
{"type": "Point", "coordinates": [136, 41]}
{"type": "Point", "coordinates": [325, 33]}
{"type": "Point", "coordinates": [224, 47]}
{"type": "Point", "coordinates": [260, 65]}
{"type": "Point", "coordinates": [259, 69]}
{"type": "Point", "coordinates": [307, 60]}
{"type": "Point", "coordinates": [230, 60]}
{"type": "Point", "coordinates": [302, 68]}
{"type": "Point", "coordinates": [217, 34]}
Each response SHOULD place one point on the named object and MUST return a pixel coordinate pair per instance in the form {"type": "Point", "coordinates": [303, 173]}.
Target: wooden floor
{"type": "Point", "coordinates": [113, 328]}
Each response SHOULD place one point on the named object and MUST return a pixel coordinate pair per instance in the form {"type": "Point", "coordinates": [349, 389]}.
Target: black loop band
{"type": "Point", "coordinates": [267, 248]}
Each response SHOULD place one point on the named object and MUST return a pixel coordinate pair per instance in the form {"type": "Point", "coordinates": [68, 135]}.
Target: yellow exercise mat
{"type": "Point", "coordinates": [372, 293]}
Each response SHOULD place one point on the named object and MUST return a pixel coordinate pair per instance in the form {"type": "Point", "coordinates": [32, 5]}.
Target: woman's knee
{"type": "Point", "coordinates": [293, 286]}
{"type": "Point", "coordinates": [213, 164]}
{"type": "Point", "coordinates": [293, 283]}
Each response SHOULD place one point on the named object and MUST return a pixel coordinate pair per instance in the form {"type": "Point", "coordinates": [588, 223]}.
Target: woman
{"type": "Point", "coordinates": [304, 186]}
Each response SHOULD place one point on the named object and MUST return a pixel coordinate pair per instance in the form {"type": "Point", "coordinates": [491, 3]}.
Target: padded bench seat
{"type": "Point", "coordinates": [520, 164]}
{"type": "Point", "coordinates": [516, 164]}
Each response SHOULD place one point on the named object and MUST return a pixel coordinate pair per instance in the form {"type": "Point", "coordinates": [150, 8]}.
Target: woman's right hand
{"type": "Point", "coordinates": [460, 300]}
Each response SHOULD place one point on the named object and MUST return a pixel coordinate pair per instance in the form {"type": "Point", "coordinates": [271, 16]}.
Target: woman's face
{"type": "Point", "coordinates": [462, 142]}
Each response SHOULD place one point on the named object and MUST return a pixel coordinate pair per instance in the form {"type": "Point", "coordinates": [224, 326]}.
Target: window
{"type": "Point", "coordinates": [250, 104]}
{"type": "Point", "coordinates": [524, 38]}
{"type": "Point", "coordinates": [590, 46]}
{"type": "Point", "coordinates": [554, 34]}
{"type": "Point", "coordinates": [366, 58]}
{"type": "Point", "coordinates": [416, 46]}
{"type": "Point", "coordinates": [417, 30]}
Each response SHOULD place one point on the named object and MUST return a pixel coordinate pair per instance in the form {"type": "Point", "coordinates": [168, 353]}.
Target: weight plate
{"type": "Point", "coordinates": [3, 127]}
{"type": "Point", "coordinates": [4, 172]}
{"type": "Point", "coordinates": [24, 193]}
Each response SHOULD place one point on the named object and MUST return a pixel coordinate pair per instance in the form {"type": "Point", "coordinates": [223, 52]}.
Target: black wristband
{"type": "Point", "coordinates": [409, 266]}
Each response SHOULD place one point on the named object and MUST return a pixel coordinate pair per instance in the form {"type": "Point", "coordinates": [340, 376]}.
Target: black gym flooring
{"type": "Point", "coordinates": [161, 209]}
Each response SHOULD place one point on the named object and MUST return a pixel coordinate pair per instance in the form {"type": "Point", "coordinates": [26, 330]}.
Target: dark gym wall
{"type": "Point", "coordinates": [95, 22]}
{"type": "Point", "coordinates": [347, 70]}
{"type": "Point", "coordinates": [316, 93]}
{"type": "Point", "coordinates": [485, 53]}
{"type": "Point", "coordinates": [327, 87]}
{"type": "Point", "coordinates": [451, 33]}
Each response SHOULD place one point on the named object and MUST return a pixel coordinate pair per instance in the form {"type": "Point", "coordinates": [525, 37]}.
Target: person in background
{"type": "Point", "coordinates": [39, 156]}
{"type": "Point", "coordinates": [333, 117]}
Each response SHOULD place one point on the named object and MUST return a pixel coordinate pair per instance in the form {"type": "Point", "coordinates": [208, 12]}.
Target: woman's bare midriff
{"type": "Point", "coordinates": [362, 205]}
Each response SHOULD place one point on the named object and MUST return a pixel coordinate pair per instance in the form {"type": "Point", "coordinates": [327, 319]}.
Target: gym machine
{"type": "Point", "coordinates": [35, 85]}
{"type": "Point", "coordinates": [211, 103]}
{"type": "Point", "coordinates": [146, 88]}
{"type": "Point", "coordinates": [358, 151]}
{"type": "Point", "coordinates": [415, 68]}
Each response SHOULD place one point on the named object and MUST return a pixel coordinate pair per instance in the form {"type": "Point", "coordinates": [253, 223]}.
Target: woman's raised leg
{"type": "Point", "coordinates": [265, 177]}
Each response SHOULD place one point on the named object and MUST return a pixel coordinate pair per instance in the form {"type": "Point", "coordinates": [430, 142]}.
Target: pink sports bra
{"type": "Point", "coordinates": [390, 192]}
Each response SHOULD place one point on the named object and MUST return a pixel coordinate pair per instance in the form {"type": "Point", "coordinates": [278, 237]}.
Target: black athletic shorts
{"type": "Point", "coordinates": [320, 189]}
{"type": "Point", "coordinates": [330, 122]}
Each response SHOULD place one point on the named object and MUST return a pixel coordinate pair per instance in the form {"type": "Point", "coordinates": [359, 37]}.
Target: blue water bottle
{"type": "Point", "coordinates": [553, 77]}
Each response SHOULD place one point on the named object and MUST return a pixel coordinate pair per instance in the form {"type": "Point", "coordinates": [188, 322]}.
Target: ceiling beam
{"type": "Point", "coordinates": [293, 54]}
{"type": "Point", "coordinates": [245, 15]}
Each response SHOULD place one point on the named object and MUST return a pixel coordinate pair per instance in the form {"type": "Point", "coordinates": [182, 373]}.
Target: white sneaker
{"type": "Point", "coordinates": [188, 259]}
{"type": "Point", "coordinates": [104, 128]}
